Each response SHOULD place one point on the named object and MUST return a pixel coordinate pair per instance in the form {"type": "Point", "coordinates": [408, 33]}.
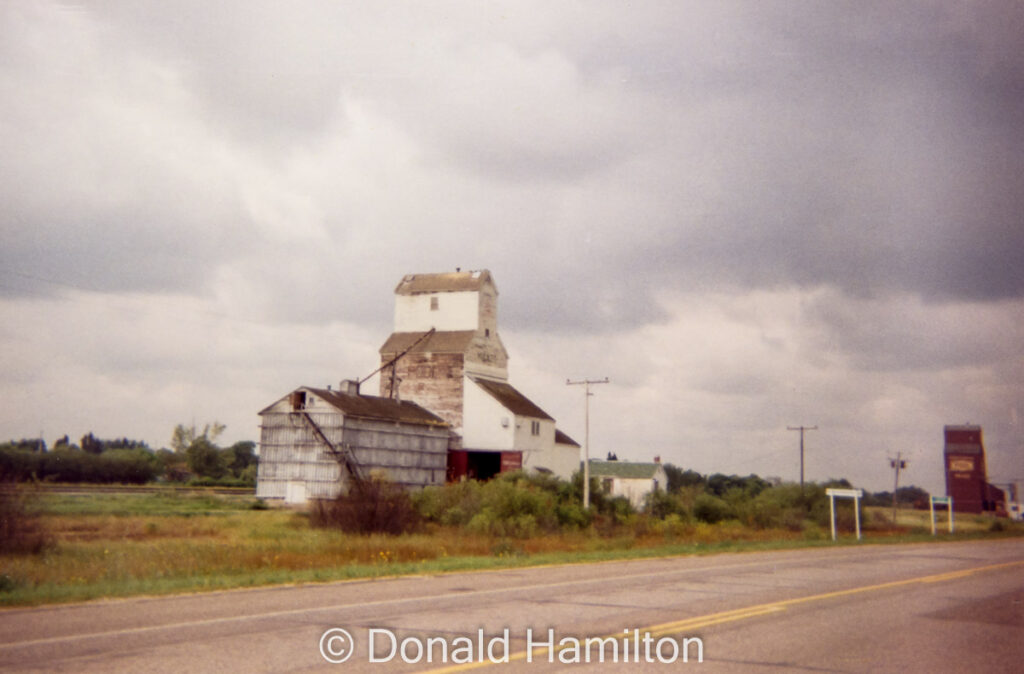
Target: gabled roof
{"type": "Point", "coordinates": [563, 439]}
{"type": "Point", "coordinates": [459, 281]}
{"type": "Point", "coordinates": [510, 398]}
{"type": "Point", "coordinates": [374, 407]}
{"type": "Point", "coordinates": [455, 341]}
{"type": "Point", "coordinates": [624, 469]}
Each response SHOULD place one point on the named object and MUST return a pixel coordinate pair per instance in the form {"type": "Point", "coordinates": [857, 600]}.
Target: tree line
{"type": "Point", "coordinates": [718, 484]}
{"type": "Point", "coordinates": [194, 457]}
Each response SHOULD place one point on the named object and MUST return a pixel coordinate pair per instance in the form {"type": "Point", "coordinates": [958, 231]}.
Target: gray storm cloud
{"type": "Point", "coordinates": [256, 168]}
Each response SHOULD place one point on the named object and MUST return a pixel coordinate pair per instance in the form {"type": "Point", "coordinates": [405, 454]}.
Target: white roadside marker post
{"type": "Point", "coordinates": [855, 494]}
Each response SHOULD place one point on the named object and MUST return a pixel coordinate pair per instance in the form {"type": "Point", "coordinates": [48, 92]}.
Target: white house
{"type": "Point", "coordinates": [632, 480]}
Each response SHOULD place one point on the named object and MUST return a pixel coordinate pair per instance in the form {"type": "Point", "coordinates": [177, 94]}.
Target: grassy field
{"type": "Point", "coordinates": [116, 545]}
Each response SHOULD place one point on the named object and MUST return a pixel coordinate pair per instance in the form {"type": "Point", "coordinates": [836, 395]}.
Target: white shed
{"type": "Point", "coordinates": [626, 478]}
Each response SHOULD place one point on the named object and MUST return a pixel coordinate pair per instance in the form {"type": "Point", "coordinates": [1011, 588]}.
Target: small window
{"type": "Point", "coordinates": [487, 332]}
{"type": "Point", "coordinates": [534, 428]}
{"type": "Point", "coordinates": [434, 303]}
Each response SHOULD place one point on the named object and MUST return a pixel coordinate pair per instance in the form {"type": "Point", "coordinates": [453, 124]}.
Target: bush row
{"type": "Point", "coordinates": [786, 506]}
{"type": "Point", "coordinates": [127, 466]}
{"type": "Point", "coordinates": [521, 505]}
{"type": "Point", "coordinates": [515, 505]}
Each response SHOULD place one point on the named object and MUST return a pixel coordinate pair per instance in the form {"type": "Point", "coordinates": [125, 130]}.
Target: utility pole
{"type": "Point", "coordinates": [896, 464]}
{"type": "Point", "coordinates": [586, 433]}
{"type": "Point", "coordinates": [801, 429]}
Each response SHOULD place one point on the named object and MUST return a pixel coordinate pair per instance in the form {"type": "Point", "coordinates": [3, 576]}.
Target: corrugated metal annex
{"type": "Point", "coordinates": [309, 435]}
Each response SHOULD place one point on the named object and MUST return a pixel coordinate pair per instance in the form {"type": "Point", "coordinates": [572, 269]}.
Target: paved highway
{"type": "Point", "coordinates": [943, 607]}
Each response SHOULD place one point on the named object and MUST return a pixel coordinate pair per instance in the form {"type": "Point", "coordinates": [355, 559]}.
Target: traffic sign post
{"type": "Point", "coordinates": [941, 500]}
{"type": "Point", "coordinates": [855, 494]}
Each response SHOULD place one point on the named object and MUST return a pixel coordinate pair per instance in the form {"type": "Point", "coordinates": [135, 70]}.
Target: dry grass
{"type": "Point", "coordinates": [104, 550]}
{"type": "Point", "coordinates": [908, 519]}
{"type": "Point", "coordinates": [121, 548]}
{"type": "Point", "coordinates": [86, 528]}
{"type": "Point", "coordinates": [134, 549]}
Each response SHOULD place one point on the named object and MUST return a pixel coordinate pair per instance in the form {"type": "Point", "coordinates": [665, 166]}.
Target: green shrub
{"type": "Point", "coordinates": [661, 504]}
{"type": "Point", "coordinates": [674, 526]}
{"type": "Point", "coordinates": [776, 507]}
{"type": "Point", "coordinates": [514, 504]}
{"type": "Point", "coordinates": [572, 515]}
{"type": "Point", "coordinates": [620, 510]}
{"type": "Point", "coordinates": [451, 504]}
{"type": "Point", "coordinates": [711, 509]}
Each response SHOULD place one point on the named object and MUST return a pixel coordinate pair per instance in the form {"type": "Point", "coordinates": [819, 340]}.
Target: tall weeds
{"type": "Point", "coordinates": [20, 531]}
{"type": "Point", "coordinates": [372, 506]}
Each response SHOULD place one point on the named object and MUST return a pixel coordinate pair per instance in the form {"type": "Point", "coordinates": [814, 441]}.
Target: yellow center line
{"type": "Point", "coordinates": [953, 575]}
{"type": "Point", "coordinates": [698, 622]}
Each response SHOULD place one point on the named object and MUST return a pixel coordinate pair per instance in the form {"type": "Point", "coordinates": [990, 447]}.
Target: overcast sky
{"type": "Point", "coordinates": [747, 215]}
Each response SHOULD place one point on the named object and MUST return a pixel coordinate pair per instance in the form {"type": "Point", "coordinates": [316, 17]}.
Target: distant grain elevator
{"type": "Point", "coordinates": [966, 473]}
{"type": "Point", "coordinates": [445, 408]}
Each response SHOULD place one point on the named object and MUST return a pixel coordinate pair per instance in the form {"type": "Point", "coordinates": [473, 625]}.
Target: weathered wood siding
{"type": "Point", "coordinates": [486, 355]}
{"type": "Point", "coordinates": [488, 308]}
{"type": "Point", "coordinates": [433, 381]}
{"type": "Point", "coordinates": [408, 454]}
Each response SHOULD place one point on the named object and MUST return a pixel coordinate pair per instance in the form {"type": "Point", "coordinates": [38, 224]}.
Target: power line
{"type": "Point", "coordinates": [801, 429]}
{"type": "Point", "coordinates": [586, 433]}
{"type": "Point", "coordinates": [896, 464]}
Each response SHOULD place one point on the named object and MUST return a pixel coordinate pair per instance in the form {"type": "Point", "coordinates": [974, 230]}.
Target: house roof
{"type": "Point", "coordinates": [455, 341]}
{"type": "Point", "coordinates": [374, 407]}
{"type": "Point", "coordinates": [511, 399]}
{"type": "Point", "coordinates": [563, 439]}
{"type": "Point", "coordinates": [459, 281]}
{"type": "Point", "coordinates": [623, 469]}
